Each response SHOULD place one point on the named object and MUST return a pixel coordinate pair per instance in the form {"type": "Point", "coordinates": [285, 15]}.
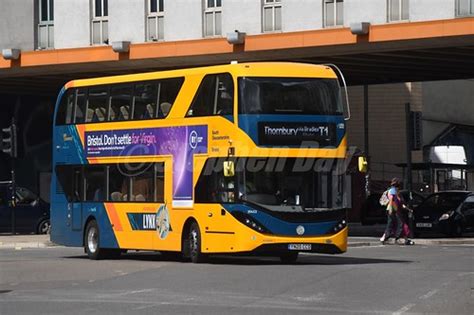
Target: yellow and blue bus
{"type": "Point", "coordinates": [238, 158]}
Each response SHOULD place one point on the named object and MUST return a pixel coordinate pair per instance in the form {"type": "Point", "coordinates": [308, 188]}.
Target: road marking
{"type": "Point", "coordinates": [404, 309]}
{"type": "Point", "coordinates": [429, 294]}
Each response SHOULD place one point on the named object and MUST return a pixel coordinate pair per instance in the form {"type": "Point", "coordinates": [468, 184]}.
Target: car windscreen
{"type": "Point", "coordinates": [443, 202]}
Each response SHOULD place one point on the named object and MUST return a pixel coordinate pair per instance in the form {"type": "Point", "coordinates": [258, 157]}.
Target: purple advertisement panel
{"type": "Point", "coordinates": [182, 142]}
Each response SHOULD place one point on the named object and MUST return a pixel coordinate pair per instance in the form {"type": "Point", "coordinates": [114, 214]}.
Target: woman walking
{"type": "Point", "coordinates": [394, 215]}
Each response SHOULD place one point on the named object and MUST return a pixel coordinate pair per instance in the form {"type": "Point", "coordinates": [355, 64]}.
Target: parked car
{"type": "Point", "coordinates": [372, 212]}
{"type": "Point", "coordinates": [448, 212]}
{"type": "Point", "coordinates": [31, 212]}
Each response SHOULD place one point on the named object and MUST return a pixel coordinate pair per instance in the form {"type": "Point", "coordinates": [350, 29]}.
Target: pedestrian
{"type": "Point", "coordinates": [394, 215]}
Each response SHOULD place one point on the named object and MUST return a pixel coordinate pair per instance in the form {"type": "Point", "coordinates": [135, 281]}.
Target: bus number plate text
{"type": "Point", "coordinates": [299, 246]}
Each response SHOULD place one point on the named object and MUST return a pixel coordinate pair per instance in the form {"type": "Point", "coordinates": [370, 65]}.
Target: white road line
{"type": "Point", "coordinates": [429, 294]}
{"type": "Point", "coordinates": [404, 309]}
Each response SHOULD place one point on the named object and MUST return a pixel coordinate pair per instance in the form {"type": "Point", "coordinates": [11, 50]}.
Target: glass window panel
{"type": "Point", "coordinates": [105, 32]}
{"type": "Point", "coordinates": [405, 10]}
{"type": "Point", "coordinates": [209, 24]}
{"type": "Point", "coordinates": [218, 3]}
{"type": "Point", "coordinates": [329, 13]}
{"type": "Point", "coordinates": [267, 19]}
{"type": "Point", "coordinates": [162, 6]}
{"type": "Point", "coordinates": [118, 184]}
{"type": "Point", "coordinates": [97, 104]}
{"type": "Point", "coordinates": [463, 7]}
{"type": "Point", "coordinates": [44, 10]}
{"type": "Point", "coordinates": [120, 101]}
{"type": "Point", "coordinates": [152, 28]}
{"type": "Point", "coordinates": [168, 93]}
{"type": "Point", "coordinates": [161, 34]}
{"type": "Point", "coordinates": [218, 23]}
{"type": "Point", "coordinates": [210, 3]}
{"type": "Point", "coordinates": [277, 18]}
{"type": "Point", "coordinates": [472, 7]}
{"type": "Point", "coordinates": [339, 12]}
{"type": "Point", "coordinates": [95, 183]}
{"type": "Point", "coordinates": [142, 184]}
{"type": "Point", "coordinates": [43, 36]}
{"type": "Point", "coordinates": [50, 36]}
{"type": "Point", "coordinates": [153, 6]}
{"type": "Point", "coordinates": [51, 10]}
{"type": "Point", "coordinates": [145, 98]}
{"type": "Point", "coordinates": [96, 32]}
{"type": "Point", "coordinates": [160, 182]}
{"type": "Point", "coordinates": [394, 10]}
{"type": "Point", "coordinates": [98, 7]}
{"type": "Point", "coordinates": [106, 8]}
{"type": "Point", "coordinates": [80, 106]}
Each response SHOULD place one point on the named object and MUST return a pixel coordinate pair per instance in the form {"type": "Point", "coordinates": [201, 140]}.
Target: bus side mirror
{"type": "Point", "coordinates": [363, 165]}
{"type": "Point", "coordinates": [229, 168]}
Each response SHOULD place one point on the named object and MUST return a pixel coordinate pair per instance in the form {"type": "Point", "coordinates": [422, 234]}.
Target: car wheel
{"type": "Point", "coordinates": [92, 244]}
{"type": "Point", "coordinates": [289, 258]}
{"type": "Point", "coordinates": [194, 244]}
{"type": "Point", "coordinates": [44, 227]}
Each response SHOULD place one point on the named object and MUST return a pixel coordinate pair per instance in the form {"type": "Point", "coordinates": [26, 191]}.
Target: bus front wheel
{"type": "Point", "coordinates": [194, 244]}
{"type": "Point", "coordinates": [92, 241]}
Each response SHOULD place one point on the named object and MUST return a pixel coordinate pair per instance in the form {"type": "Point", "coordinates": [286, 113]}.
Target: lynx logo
{"type": "Point", "coordinates": [162, 222]}
{"type": "Point", "coordinates": [194, 139]}
{"type": "Point", "coordinates": [149, 221]}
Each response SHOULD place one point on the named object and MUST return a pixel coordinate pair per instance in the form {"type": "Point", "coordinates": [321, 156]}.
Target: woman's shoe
{"type": "Point", "coordinates": [409, 242]}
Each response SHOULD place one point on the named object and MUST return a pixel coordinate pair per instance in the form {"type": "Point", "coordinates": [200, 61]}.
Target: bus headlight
{"type": "Point", "coordinates": [250, 222]}
{"type": "Point", "coordinates": [339, 226]}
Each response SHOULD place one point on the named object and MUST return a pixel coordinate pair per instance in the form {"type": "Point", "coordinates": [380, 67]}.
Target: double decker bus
{"type": "Point", "coordinates": [237, 158]}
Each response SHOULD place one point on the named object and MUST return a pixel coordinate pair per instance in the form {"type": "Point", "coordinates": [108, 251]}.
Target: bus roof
{"type": "Point", "coordinates": [267, 69]}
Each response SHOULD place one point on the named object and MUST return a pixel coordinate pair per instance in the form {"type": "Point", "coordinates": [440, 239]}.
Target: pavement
{"type": "Point", "coordinates": [359, 235]}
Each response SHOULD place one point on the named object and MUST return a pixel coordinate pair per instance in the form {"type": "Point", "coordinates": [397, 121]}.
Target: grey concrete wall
{"type": "Point", "coordinates": [373, 11]}
{"type": "Point", "coordinates": [423, 10]}
{"type": "Point", "coordinates": [17, 24]}
{"type": "Point", "coordinates": [127, 20]}
{"type": "Point", "coordinates": [72, 23]}
{"type": "Point", "coordinates": [299, 15]}
{"type": "Point", "coordinates": [244, 15]}
{"type": "Point", "coordinates": [183, 19]}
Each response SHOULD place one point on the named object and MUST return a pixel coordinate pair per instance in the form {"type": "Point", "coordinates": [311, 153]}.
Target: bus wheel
{"type": "Point", "coordinates": [92, 241]}
{"type": "Point", "coordinates": [289, 258]}
{"type": "Point", "coordinates": [194, 244]}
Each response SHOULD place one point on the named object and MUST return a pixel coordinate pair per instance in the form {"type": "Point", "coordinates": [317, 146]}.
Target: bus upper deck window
{"type": "Point", "coordinates": [120, 100]}
{"type": "Point", "coordinates": [214, 97]}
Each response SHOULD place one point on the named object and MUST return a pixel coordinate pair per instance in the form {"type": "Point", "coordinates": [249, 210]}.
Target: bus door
{"type": "Point", "coordinates": [75, 203]}
{"type": "Point", "coordinates": [166, 237]}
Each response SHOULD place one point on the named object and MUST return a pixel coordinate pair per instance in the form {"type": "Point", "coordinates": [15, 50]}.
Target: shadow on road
{"type": "Point", "coordinates": [256, 260]}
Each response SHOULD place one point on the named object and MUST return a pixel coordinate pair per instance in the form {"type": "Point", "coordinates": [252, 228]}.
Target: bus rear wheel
{"type": "Point", "coordinates": [194, 244]}
{"type": "Point", "coordinates": [289, 258]}
{"type": "Point", "coordinates": [92, 241]}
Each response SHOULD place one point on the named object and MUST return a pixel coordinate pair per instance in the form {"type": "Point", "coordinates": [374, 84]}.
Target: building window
{"type": "Point", "coordinates": [464, 7]}
{"type": "Point", "coordinates": [333, 13]}
{"type": "Point", "coordinates": [213, 18]}
{"type": "Point", "coordinates": [100, 22]}
{"type": "Point", "coordinates": [397, 10]}
{"type": "Point", "coordinates": [271, 15]}
{"type": "Point", "coordinates": [46, 24]}
{"type": "Point", "coordinates": [155, 20]}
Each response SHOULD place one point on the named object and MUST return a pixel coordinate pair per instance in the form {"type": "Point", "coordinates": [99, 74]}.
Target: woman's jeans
{"type": "Point", "coordinates": [391, 219]}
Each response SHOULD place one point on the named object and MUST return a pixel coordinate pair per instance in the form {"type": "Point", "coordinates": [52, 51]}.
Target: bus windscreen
{"type": "Point", "coordinates": [298, 96]}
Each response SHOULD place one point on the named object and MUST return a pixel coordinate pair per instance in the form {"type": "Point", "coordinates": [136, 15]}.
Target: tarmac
{"type": "Point", "coordinates": [359, 235]}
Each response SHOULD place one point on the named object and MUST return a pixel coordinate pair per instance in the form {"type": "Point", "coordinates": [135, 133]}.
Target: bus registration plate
{"type": "Point", "coordinates": [299, 246]}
